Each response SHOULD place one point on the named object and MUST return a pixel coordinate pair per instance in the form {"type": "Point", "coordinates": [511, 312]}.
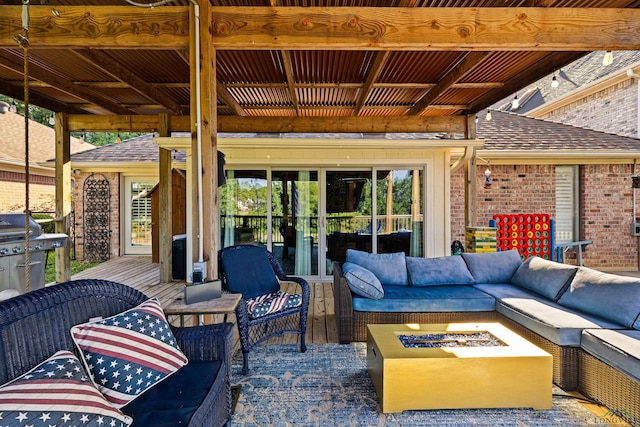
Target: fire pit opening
{"type": "Point", "coordinates": [459, 339]}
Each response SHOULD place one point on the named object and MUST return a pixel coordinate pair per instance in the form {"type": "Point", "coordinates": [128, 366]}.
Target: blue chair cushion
{"type": "Point", "coordinates": [492, 267]}
{"type": "Point", "coordinates": [275, 302]}
{"type": "Point", "coordinates": [249, 272]}
{"type": "Point", "coordinates": [610, 296]}
{"type": "Point", "coordinates": [390, 269]}
{"type": "Point", "coordinates": [449, 270]}
{"type": "Point", "coordinates": [544, 277]}
{"type": "Point", "coordinates": [187, 390]}
{"type": "Point", "coordinates": [362, 281]}
{"type": "Point", "coordinates": [427, 299]}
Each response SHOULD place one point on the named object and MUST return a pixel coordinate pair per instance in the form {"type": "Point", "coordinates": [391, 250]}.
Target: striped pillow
{"type": "Point", "coordinates": [274, 302]}
{"type": "Point", "coordinates": [129, 353]}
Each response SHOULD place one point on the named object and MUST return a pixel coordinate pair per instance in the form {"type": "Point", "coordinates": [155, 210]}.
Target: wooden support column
{"type": "Point", "coordinates": [208, 149]}
{"type": "Point", "coordinates": [63, 196]}
{"type": "Point", "coordinates": [470, 193]}
{"type": "Point", "coordinates": [165, 205]}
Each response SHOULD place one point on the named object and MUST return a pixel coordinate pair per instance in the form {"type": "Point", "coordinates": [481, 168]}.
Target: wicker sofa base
{"type": "Point", "coordinates": [565, 359]}
{"type": "Point", "coordinates": [610, 387]}
{"type": "Point", "coordinates": [363, 318]}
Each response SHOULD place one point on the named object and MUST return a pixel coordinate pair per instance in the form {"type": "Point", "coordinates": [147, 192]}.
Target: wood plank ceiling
{"type": "Point", "coordinates": [333, 59]}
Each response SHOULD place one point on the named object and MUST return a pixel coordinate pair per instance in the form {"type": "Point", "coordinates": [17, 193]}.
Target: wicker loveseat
{"type": "Point", "coordinates": [36, 325]}
{"type": "Point", "coordinates": [587, 320]}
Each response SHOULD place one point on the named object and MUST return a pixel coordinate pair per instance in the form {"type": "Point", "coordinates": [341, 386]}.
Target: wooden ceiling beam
{"type": "Point", "coordinates": [550, 63]}
{"type": "Point", "coordinates": [330, 28]}
{"type": "Point", "coordinates": [17, 92]}
{"type": "Point", "coordinates": [109, 65]}
{"type": "Point", "coordinates": [67, 86]}
{"type": "Point", "coordinates": [109, 27]}
{"type": "Point", "coordinates": [463, 67]}
{"type": "Point", "coordinates": [372, 76]}
{"type": "Point", "coordinates": [288, 71]}
{"type": "Point", "coordinates": [149, 123]}
{"type": "Point", "coordinates": [226, 97]}
{"type": "Point", "coordinates": [444, 28]}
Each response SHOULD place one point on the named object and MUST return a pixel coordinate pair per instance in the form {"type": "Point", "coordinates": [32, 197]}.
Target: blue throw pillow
{"type": "Point", "coordinates": [544, 277]}
{"type": "Point", "coordinates": [362, 281]}
{"type": "Point", "coordinates": [390, 269]}
{"type": "Point", "coordinates": [493, 267]}
{"type": "Point", "coordinates": [448, 270]}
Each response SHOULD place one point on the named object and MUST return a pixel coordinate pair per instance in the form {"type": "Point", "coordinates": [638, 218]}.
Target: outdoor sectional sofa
{"type": "Point", "coordinates": [35, 329]}
{"type": "Point", "coordinates": [589, 321]}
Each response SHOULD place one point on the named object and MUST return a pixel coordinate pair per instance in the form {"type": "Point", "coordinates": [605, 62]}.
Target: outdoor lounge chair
{"type": "Point", "coordinates": [264, 310]}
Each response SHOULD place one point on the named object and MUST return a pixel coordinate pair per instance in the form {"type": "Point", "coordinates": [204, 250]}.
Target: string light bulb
{"type": "Point", "coordinates": [52, 119]}
{"type": "Point", "coordinates": [488, 117]}
{"type": "Point", "coordinates": [13, 107]}
{"type": "Point", "coordinates": [515, 103]}
{"type": "Point", "coordinates": [608, 58]}
{"type": "Point", "coordinates": [554, 82]}
{"type": "Point", "coordinates": [118, 139]}
{"type": "Point", "coordinates": [487, 176]}
{"type": "Point", "coordinates": [82, 136]}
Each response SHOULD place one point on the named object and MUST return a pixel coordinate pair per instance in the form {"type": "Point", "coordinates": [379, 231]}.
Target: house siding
{"type": "Point", "coordinates": [42, 192]}
{"type": "Point", "coordinates": [614, 109]}
{"type": "Point", "coordinates": [606, 206]}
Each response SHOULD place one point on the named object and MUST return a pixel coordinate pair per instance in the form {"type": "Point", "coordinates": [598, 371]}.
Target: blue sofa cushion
{"type": "Point", "coordinates": [492, 267]}
{"type": "Point", "coordinates": [249, 272]}
{"type": "Point", "coordinates": [174, 401]}
{"type": "Point", "coordinates": [410, 299]}
{"type": "Point", "coordinates": [362, 281]}
{"type": "Point", "coordinates": [449, 270]}
{"type": "Point", "coordinates": [618, 349]}
{"type": "Point", "coordinates": [558, 324]}
{"type": "Point", "coordinates": [390, 269]}
{"type": "Point", "coordinates": [544, 277]}
{"type": "Point", "coordinates": [610, 296]}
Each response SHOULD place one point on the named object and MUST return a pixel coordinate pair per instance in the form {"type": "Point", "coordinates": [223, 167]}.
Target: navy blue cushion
{"type": "Point", "coordinates": [362, 281]}
{"type": "Point", "coordinates": [492, 267]}
{"type": "Point", "coordinates": [249, 272]}
{"type": "Point", "coordinates": [448, 270]}
{"type": "Point", "coordinates": [390, 269]}
{"type": "Point", "coordinates": [544, 277]}
{"type": "Point", "coordinates": [173, 401]}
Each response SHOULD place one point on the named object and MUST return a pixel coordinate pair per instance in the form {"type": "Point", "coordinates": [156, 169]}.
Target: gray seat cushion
{"type": "Point", "coordinates": [427, 299]}
{"type": "Point", "coordinates": [610, 296]}
{"type": "Point", "coordinates": [558, 324]}
{"type": "Point", "coordinates": [619, 349]}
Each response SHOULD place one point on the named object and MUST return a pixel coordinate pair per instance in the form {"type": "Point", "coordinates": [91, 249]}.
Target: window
{"type": "Point", "coordinates": [567, 204]}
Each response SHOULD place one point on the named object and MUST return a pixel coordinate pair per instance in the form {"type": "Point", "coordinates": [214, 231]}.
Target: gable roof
{"type": "Point", "coordinates": [42, 140]}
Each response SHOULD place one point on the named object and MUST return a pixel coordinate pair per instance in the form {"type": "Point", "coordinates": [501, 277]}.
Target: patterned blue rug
{"type": "Point", "coordinates": [329, 386]}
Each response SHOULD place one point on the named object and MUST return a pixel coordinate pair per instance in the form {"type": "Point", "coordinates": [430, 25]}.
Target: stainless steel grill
{"type": "Point", "coordinates": [13, 252]}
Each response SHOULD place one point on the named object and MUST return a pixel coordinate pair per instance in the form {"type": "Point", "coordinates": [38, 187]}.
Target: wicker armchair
{"type": "Point", "coordinates": [35, 325]}
{"type": "Point", "coordinates": [255, 273]}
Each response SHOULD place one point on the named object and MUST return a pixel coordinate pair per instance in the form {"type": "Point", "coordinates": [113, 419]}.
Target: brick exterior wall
{"type": "Point", "coordinates": [114, 216]}
{"type": "Point", "coordinates": [614, 110]}
{"type": "Point", "coordinates": [42, 192]}
{"type": "Point", "coordinates": [606, 211]}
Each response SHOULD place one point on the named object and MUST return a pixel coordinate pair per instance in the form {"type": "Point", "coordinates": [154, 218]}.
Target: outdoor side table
{"type": "Point", "coordinates": [226, 304]}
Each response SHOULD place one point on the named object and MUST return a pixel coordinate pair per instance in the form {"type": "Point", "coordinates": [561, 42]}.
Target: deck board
{"type": "Point", "coordinates": [142, 274]}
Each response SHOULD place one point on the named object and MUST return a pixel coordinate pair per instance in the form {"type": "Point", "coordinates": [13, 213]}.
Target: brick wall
{"type": "Point", "coordinates": [114, 217]}
{"type": "Point", "coordinates": [614, 109]}
{"type": "Point", "coordinates": [42, 192]}
{"type": "Point", "coordinates": [607, 212]}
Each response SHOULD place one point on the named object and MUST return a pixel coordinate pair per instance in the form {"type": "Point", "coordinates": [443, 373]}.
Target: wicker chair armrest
{"type": "Point", "coordinates": [343, 305]}
{"type": "Point", "coordinates": [207, 342]}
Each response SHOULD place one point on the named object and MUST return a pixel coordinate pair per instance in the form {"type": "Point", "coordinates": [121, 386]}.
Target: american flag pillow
{"type": "Point", "coordinates": [129, 353]}
{"type": "Point", "coordinates": [57, 392]}
{"type": "Point", "coordinates": [274, 302]}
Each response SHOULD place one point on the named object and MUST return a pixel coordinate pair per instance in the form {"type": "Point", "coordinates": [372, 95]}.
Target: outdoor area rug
{"type": "Point", "coordinates": [329, 386]}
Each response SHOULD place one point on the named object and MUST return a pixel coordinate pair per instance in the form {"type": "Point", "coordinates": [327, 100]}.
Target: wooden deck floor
{"type": "Point", "coordinates": [140, 273]}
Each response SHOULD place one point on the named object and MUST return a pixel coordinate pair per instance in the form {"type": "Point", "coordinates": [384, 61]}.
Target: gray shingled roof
{"type": "Point", "coordinates": [511, 131]}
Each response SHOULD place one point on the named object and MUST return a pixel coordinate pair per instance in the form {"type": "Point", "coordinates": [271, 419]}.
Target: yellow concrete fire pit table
{"type": "Point", "coordinates": [458, 370]}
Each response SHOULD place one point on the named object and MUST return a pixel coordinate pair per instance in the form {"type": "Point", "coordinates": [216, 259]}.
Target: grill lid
{"type": "Point", "coordinates": [12, 227]}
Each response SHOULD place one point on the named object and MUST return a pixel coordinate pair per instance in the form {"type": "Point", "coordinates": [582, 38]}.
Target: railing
{"type": "Point", "coordinates": [257, 224]}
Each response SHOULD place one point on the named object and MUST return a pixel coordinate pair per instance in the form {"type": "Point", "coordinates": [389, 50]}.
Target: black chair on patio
{"type": "Point", "coordinates": [264, 310]}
